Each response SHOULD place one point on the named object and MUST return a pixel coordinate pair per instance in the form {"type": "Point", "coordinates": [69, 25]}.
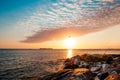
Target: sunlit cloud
{"type": "Point", "coordinates": [71, 18]}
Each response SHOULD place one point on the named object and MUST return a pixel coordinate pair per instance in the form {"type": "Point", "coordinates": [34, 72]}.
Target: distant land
{"type": "Point", "coordinates": [52, 49]}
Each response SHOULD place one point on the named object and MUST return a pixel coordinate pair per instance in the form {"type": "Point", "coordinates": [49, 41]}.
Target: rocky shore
{"type": "Point", "coordinates": [88, 67]}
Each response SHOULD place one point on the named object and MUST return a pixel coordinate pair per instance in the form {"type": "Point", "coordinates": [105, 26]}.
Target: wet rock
{"type": "Point", "coordinates": [82, 74]}
{"type": "Point", "coordinates": [101, 76]}
{"type": "Point", "coordinates": [72, 63]}
{"type": "Point", "coordinates": [118, 66]}
{"type": "Point", "coordinates": [105, 67]}
{"type": "Point", "coordinates": [75, 62]}
{"type": "Point", "coordinates": [70, 74]}
{"type": "Point", "coordinates": [76, 69]}
{"type": "Point", "coordinates": [113, 77]}
{"type": "Point", "coordinates": [84, 64]}
{"type": "Point", "coordinates": [95, 69]}
{"type": "Point", "coordinates": [114, 72]}
{"type": "Point", "coordinates": [59, 75]}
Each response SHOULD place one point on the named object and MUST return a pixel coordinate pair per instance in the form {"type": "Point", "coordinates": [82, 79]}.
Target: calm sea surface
{"type": "Point", "coordinates": [33, 64]}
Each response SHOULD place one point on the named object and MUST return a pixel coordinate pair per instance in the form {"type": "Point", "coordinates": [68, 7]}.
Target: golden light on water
{"type": "Point", "coordinates": [69, 43]}
{"type": "Point", "coordinates": [69, 54]}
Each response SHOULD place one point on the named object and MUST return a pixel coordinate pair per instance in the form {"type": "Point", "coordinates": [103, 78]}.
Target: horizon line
{"type": "Point", "coordinates": [61, 48]}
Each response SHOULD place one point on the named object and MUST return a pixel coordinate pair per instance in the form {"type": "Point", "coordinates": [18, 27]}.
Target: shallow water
{"type": "Point", "coordinates": [33, 64]}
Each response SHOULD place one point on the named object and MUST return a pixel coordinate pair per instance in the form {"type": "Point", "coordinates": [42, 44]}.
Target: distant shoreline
{"type": "Point", "coordinates": [53, 49]}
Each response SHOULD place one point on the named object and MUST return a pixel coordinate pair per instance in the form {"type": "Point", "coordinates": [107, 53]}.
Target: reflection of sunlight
{"type": "Point", "coordinates": [69, 54]}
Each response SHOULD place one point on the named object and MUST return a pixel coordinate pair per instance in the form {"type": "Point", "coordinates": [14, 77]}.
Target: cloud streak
{"type": "Point", "coordinates": [71, 18]}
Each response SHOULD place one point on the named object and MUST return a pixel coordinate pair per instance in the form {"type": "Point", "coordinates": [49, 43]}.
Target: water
{"type": "Point", "coordinates": [33, 64]}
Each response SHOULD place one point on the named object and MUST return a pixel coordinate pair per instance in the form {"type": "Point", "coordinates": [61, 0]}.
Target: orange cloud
{"type": "Point", "coordinates": [89, 24]}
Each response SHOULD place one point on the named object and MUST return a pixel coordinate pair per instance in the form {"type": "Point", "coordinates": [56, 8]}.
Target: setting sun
{"type": "Point", "coordinates": [69, 42]}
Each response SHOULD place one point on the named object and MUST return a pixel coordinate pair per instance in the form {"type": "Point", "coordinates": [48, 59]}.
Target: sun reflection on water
{"type": "Point", "coordinates": [69, 54]}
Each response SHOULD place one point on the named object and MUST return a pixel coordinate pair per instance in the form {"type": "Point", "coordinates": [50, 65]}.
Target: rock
{"type": "Point", "coordinates": [95, 69]}
{"type": "Point", "coordinates": [118, 66]}
{"type": "Point", "coordinates": [97, 64]}
{"type": "Point", "coordinates": [76, 69]}
{"type": "Point", "coordinates": [105, 67]}
{"type": "Point", "coordinates": [113, 72]}
{"type": "Point", "coordinates": [101, 76]}
{"type": "Point", "coordinates": [58, 75]}
{"type": "Point", "coordinates": [84, 64]}
{"type": "Point", "coordinates": [76, 60]}
{"type": "Point", "coordinates": [113, 77]}
{"type": "Point", "coordinates": [72, 63]}
{"type": "Point", "coordinates": [70, 74]}
{"type": "Point", "coordinates": [82, 74]}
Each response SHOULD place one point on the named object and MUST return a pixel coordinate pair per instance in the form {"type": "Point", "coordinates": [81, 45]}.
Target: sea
{"type": "Point", "coordinates": [32, 64]}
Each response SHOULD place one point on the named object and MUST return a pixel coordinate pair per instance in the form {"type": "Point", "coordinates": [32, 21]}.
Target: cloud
{"type": "Point", "coordinates": [64, 19]}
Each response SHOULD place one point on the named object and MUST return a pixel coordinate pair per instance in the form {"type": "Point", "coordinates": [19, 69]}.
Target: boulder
{"type": "Point", "coordinates": [84, 64]}
{"type": "Point", "coordinates": [72, 63]}
{"type": "Point", "coordinates": [101, 76]}
{"type": "Point", "coordinates": [113, 77]}
{"type": "Point", "coordinates": [70, 74]}
{"type": "Point", "coordinates": [95, 69]}
{"type": "Point", "coordinates": [105, 67]}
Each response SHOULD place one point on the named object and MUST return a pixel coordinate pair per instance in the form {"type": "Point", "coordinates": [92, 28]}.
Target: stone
{"type": "Point", "coordinates": [101, 76]}
{"type": "Point", "coordinates": [105, 67]}
{"type": "Point", "coordinates": [84, 64]}
{"type": "Point", "coordinates": [72, 63]}
{"type": "Point", "coordinates": [113, 77]}
{"type": "Point", "coordinates": [70, 74]}
{"type": "Point", "coordinates": [95, 69]}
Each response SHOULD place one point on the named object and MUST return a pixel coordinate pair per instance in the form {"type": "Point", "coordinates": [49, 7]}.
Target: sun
{"type": "Point", "coordinates": [69, 42]}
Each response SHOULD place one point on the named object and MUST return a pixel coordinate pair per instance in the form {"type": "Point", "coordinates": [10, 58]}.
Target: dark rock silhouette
{"type": "Point", "coordinates": [71, 63]}
{"type": "Point", "coordinates": [113, 77]}
{"type": "Point", "coordinates": [70, 74]}
{"type": "Point", "coordinates": [77, 69]}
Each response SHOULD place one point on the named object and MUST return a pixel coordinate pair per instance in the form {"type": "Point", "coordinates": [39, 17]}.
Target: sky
{"type": "Point", "coordinates": [46, 23]}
